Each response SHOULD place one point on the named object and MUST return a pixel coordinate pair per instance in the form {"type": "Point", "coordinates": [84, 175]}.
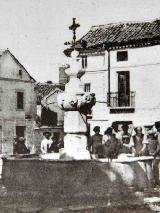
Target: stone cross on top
{"type": "Point", "coordinates": [73, 27]}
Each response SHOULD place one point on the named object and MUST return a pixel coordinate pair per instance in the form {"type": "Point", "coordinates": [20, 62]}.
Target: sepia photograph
{"type": "Point", "coordinates": [79, 106]}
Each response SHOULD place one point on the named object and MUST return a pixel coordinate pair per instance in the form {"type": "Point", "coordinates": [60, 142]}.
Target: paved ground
{"type": "Point", "coordinates": [89, 209]}
{"type": "Point", "coordinates": [146, 202]}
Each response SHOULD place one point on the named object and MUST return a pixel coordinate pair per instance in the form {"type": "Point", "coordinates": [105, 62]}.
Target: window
{"type": "Point", "coordinates": [20, 73]}
{"type": "Point", "coordinates": [122, 56]}
{"type": "Point", "coordinates": [20, 130]}
{"type": "Point", "coordinates": [84, 62]}
{"type": "Point", "coordinates": [20, 100]}
{"type": "Point", "coordinates": [87, 87]}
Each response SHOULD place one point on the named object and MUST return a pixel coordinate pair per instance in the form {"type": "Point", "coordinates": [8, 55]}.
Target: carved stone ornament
{"type": "Point", "coordinates": [77, 102]}
{"type": "Point", "coordinates": [74, 98]}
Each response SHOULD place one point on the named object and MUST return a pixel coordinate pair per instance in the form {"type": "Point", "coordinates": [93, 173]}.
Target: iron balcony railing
{"type": "Point", "coordinates": [118, 99]}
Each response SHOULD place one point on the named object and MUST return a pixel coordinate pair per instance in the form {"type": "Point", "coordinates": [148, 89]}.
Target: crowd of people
{"type": "Point", "coordinates": [138, 141]}
{"type": "Point", "coordinates": [48, 144]}
{"type": "Point", "coordinates": [117, 139]}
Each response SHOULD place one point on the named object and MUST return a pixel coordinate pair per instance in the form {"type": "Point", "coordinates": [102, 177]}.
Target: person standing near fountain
{"type": "Point", "coordinates": [46, 142]}
{"type": "Point", "coordinates": [55, 143]}
{"type": "Point", "coordinates": [138, 141]}
{"type": "Point", "coordinates": [127, 143]}
{"type": "Point", "coordinates": [14, 144]}
{"type": "Point", "coordinates": [111, 144]}
{"type": "Point", "coordinates": [95, 140]}
{"type": "Point", "coordinates": [20, 147]}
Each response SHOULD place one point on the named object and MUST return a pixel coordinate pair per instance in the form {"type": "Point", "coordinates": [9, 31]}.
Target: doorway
{"type": "Point", "coordinates": [20, 131]}
{"type": "Point", "coordinates": [123, 88]}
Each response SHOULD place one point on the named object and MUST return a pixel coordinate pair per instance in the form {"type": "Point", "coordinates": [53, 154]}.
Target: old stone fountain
{"type": "Point", "coordinates": [76, 103]}
{"type": "Point", "coordinates": [74, 179]}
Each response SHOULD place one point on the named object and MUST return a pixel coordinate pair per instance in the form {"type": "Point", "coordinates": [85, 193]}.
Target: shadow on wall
{"type": "Point", "coordinates": [73, 182]}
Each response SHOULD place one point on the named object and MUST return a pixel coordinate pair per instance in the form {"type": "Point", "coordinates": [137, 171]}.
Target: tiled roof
{"type": "Point", "coordinates": [117, 34]}
{"type": "Point", "coordinates": [43, 89]}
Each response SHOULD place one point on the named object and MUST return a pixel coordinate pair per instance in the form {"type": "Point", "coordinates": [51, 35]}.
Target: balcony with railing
{"type": "Point", "coordinates": [121, 103]}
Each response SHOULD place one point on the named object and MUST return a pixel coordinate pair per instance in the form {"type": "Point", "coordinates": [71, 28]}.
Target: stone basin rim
{"type": "Point", "coordinates": [100, 160]}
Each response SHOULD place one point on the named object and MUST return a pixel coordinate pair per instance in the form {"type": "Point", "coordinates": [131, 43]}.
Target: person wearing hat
{"type": "Point", "coordinates": [111, 144]}
{"type": "Point", "coordinates": [138, 140]}
{"type": "Point", "coordinates": [116, 131]}
{"type": "Point", "coordinates": [148, 130]}
{"type": "Point", "coordinates": [55, 143]}
{"type": "Point", "coordinates": [150, 142]}
{"type": "Point", "coordinates": [20, 147]}
{"type": "Point", "coordinates": [126, 141]}
{"type": "Point", "coordinates": [107, 135]}
{"type": "Point", "coordinates": [95, 140]}
{"type": "Point", "coordinates": [46, 142]}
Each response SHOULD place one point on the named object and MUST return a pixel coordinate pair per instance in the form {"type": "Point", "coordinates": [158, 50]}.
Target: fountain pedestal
{"type": "Point", "coordinates": [76, 104]}
{"type": "Point", "coordinates": [75, 140]}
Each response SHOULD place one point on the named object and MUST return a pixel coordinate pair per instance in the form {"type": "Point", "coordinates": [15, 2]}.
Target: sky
{"type": "Point", "coordinates": [35, 30]}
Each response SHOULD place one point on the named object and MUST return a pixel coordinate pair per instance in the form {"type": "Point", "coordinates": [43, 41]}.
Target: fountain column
{"type": "Point", "coordinates": [76, 103]}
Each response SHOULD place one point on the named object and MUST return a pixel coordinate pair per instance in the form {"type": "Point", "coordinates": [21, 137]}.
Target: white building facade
{"type": "Point", "coordinates": [17, 103]}
{"type": "Point", "coordinates": [122, 64]}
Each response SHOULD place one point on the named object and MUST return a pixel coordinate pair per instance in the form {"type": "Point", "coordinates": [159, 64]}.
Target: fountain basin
{"type": "Point", "coordinates": [75, 181]}
{"type": "Point", "coordinates": [73, 177]}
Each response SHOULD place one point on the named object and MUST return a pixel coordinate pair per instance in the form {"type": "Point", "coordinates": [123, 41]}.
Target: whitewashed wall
{"type": "Point", "coordinates": [97, 75]}
{"type": "Point", "coordinates": [144, 67]}
{"type": "Point", "coordinates": [10, 116]}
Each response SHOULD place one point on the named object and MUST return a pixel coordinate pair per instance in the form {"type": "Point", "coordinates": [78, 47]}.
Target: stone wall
{"type": "Point", "coordinates": [75, 182]}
